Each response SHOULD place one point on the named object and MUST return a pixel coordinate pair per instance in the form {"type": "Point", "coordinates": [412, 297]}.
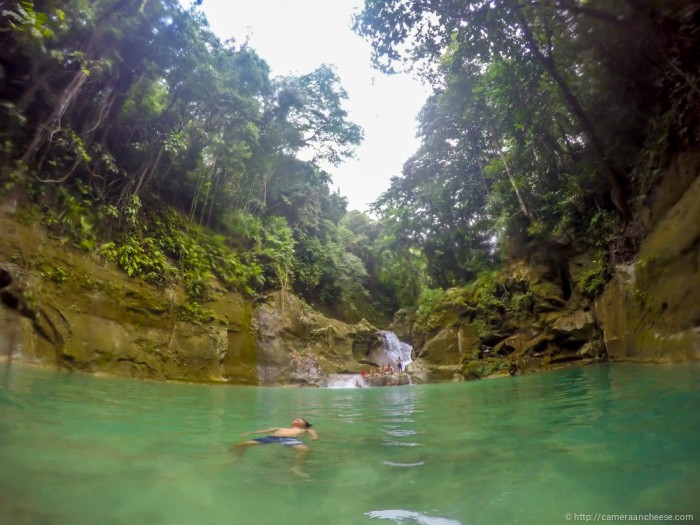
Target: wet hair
{"type": "Point", "coordinates": [308, 425]}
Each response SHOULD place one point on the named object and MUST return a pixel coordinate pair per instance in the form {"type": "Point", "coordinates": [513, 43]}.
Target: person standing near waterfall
{"type": "Point", "coordinates": [399, 364]}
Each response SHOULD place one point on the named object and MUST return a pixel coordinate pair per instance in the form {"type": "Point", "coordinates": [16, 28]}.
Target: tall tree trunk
{"type": "Point", "coordinates": [619, 185]}
{"type": "Point", "coordinates": [148, 169]}
{"type": "Point", "coordinates": [52, 124]}
{"type": "Point", "coordinates": [46, 130]}
{"type": "Point", "coordinates": [215, 189]}
{"type": "Point", "coordinates": [521, 201]}
{"type": "Point", "coordinates": [214, 169]}
{"type": "Point", "coordinates": [28, 94]}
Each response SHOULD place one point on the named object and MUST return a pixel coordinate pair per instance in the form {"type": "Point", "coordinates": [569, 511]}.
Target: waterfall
{"type": "Point", "coordinates": [389, 353]}
{"type": "Point", "coordinates": [393, 348]}
{"type": "Point", "coordinates": [345, 381]}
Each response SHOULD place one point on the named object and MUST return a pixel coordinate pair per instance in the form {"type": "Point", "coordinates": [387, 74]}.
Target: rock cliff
{"type": "Point", "coordinates": [62, 307]}
{"type": "Point", "coordinates": [650, 310]}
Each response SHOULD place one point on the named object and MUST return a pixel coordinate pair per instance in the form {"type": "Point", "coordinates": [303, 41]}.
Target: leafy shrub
{"type": "Point", "coordinates": [140, 257]}
{"type": "Point", "coordinates": [73, 217]}
{"type": "Point", "coordinates": [277, 252]}
{"type": "Point", "coordinates": [601, 229]}
{"type": "Point", "coordinates": [484, 291]}
{"type": "Point", "coordinates": [426, 315]}
{"type": "Point", "coordinates": [245, 230]}
{"type": "Point", "coordinates": [228, 266]}
{"type": "Point", "coordinates": [593, 280]}
{"type": "Point", "coordinates": [192, 312]}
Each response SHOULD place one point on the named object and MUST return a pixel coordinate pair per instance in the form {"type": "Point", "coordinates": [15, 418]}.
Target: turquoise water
{"type": "Point", "coordinates": [611, 439]}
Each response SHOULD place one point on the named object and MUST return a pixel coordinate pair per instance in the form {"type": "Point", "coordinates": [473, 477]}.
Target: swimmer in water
{"type": "Point", "coordinates": [287, 437]}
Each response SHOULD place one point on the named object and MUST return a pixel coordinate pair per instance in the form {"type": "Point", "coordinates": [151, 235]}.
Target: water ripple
{"type": "Point", "coordinates": [401, 516]}
{"type": "Point", "coordinates": [400, 433]}
{"type": "Point", "coordinates": [394, 464]}
{"type": "Point", "coordinates": [393, 443]}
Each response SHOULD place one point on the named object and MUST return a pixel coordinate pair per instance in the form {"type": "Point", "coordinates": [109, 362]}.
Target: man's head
{"type": "Point", "coordinates": [301, 423]}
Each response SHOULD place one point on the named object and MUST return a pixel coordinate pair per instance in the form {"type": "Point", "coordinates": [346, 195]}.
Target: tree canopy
{"type": "Point", "coordinates": [135, 133]}
{"type": "Point", "coordinates": [113, 111]}
{"type": "Point", "coordinates": [549, 121]}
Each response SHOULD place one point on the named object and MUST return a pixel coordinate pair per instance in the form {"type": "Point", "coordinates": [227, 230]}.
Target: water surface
{"type": "Point", "coordinates": [622, 438]}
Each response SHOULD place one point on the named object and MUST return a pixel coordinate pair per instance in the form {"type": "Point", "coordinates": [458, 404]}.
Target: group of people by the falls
{"type": "Point", "coordinates": [384, 369]}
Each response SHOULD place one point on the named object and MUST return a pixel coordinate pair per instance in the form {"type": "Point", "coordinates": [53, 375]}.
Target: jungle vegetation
{"type": "Point", "coordinates": [129, 130]}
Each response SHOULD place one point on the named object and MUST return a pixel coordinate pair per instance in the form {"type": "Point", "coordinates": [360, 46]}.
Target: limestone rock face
{"type": "Point", "coordinates": [64, 308]}
{"type": "Point", "coordinates": [650, 310]}
{"type": "Point", "coordinates": [536, 321]}
{"type": "Point", "coordinates": [442, 348]}
{"type": "Point", "coordinates": [121, 332]}
{"type": "Point", "coordinates": [60, 307]}
{"type": "Point", "coordinates": [578, 326]}
{"type": "Point", "coordinates": [297, 345]}
{"type": "Point", "coordinates": [541, 317]}
{"type": "Point", "coordinates": [68, 310]}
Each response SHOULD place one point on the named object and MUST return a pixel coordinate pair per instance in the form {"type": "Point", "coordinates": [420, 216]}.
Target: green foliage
{"type": "Point", "coordinates": [131, 211]}
{"type": "Point", "coordinates": [594, 278]}
{"type": "Point", "coordinates": [354, 299]}
{"type": "Point", "coordinates": [140, 257]}
{"type": "Point", "coordinates": [429, 300]}
{"type": "Point", "coordinates": [244, 230]}
{"type": "Point", "coordinates": [193, 263]}
{"type": "Point", "coordinates": [197, 257]}
{"type": "Point", "coordinates": [437, 308]}
{"type": "Point", "coordinates": [73, 217]}
{"type": "Point", "coordinates": [277, 254]}
{"type": "Point", "coordinates": [485, 367]}
{"type": "Point", "coordinates": [236, 271]}
{"type": "Point", "coordinates": [194, 313]}
{"type": "Point", "coordinates": [520, 303]}
{"type": "Point", "coordinates": [601, 229]}
{"type": "Point", "coordinates": [112, 104]}
{"type": "Point", "coordinates": [487, 292]}
{"type": "Point", "coordinates": [539, 112]}
{"type": "Point", "coordinates": [483, 330]}
{"type": "Point", "coordinates": [23, 19]}
{"type": "Point", "coordinates": [57, 274]}
{"type": "Point", "coordinates": [535, 122]}
{"type": "Point", "coordinates": [429, 310]}
{"type": "Point", "coordinates": [309, 114]}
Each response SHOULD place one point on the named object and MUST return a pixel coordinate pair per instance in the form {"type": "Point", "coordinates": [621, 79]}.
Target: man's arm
{"type": "Point", "coordinates": [260, 431]}
{"type": "Point", "coordinates": [313, 434]}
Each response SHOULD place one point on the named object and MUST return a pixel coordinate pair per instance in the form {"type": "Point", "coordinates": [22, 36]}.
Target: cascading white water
{"type": "Point", "coordinates": [393, 348]}
{"type": "Point", "coordinates": [345, 381]}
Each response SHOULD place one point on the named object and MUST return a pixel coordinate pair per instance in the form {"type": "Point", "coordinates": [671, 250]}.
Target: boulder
{"type": "Point", "coordinates": [451, 345]}
{"type": "Point", "coordinates": [578, 326]}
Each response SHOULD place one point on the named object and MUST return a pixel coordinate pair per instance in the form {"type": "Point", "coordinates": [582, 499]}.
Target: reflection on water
{"type": "Point", "coordinates": [81, 450]}
{"type": "Point", "coordinates": [406, 516]}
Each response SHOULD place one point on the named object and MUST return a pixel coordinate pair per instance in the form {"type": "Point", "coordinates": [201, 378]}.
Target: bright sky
{"type": "Point", "coordinates": [295, 38]}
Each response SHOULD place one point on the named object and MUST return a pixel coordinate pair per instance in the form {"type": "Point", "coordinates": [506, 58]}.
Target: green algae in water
{"type": "Point", "coordinates": [614, 439]}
